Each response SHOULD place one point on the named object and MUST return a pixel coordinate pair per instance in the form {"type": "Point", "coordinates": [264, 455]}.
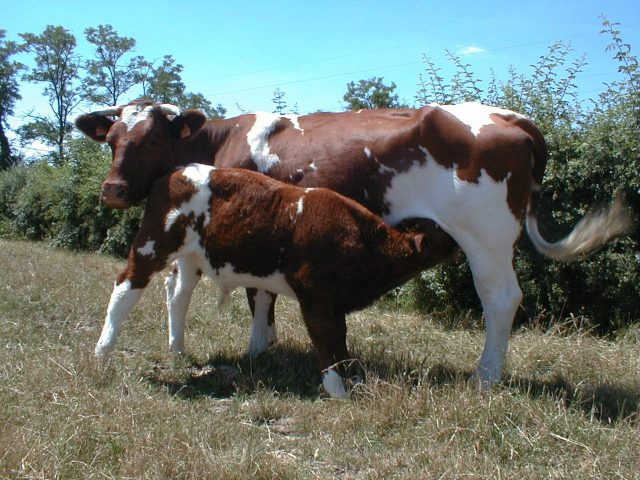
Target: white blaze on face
{"type": "Point", "coordinates": [300, 205]}
{"type": "Point", "coordinates": [258, 138]}
{"type": "Point", "coordinates": [148, 249]}
{"type": "Point", "coordinates": [198, 204]}
{"type": "Point", "coordinates": [133, 114]}
{"type": "Point", "coordinates": [475, 115]}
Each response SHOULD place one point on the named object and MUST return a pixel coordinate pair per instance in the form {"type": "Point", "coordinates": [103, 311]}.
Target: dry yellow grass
{"type": "Point", "coordinates": [568, 408]}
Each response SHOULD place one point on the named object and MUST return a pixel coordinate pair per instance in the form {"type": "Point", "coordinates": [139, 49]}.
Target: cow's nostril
{"type": "Point", "coordinates": [114, 192]}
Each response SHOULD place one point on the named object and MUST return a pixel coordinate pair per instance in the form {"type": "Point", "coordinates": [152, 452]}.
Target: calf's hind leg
{"type": "Point", "coordinates": [179, 284]}
{"type": "Point", "coordinates": [328, 332]}
{"type": "Point", "coordinates": [263, 330]}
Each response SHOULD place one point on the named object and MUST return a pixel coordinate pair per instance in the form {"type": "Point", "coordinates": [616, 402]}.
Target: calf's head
{"type": "Point", "coordinates": [142, 138]}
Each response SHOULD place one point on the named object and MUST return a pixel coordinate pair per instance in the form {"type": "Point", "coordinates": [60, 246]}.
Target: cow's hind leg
{"type": "Point", "coordinates": [263, 330]}
{"type": "Point", "coordinates": [500, 294]}
{"type": "Point", "coordinates": [179, 284]}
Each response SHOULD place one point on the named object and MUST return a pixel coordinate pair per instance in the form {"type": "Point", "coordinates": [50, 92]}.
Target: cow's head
{"type": "Point", "coordinates": [142, 138]}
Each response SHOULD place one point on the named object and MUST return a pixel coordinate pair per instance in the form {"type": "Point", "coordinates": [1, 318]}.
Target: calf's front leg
{"type": "Point", "coordinates": [123, 298]}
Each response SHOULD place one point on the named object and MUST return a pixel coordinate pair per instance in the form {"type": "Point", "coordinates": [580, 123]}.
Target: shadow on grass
{"type": "Point", "coordinates": [605, 402]}
{"type": "Point", "coordinates": [293, 370]}
{"type": "Point", "coordinates": [283, 368]}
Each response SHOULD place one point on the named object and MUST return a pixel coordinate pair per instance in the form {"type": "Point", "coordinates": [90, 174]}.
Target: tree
{"type": "Point", "coordinates": [57, 66]}
{"type": "Point", "coordinates": [109, 76]}
{"type": "Point", "coordinates": [371, 93]}
{"type": "Point", "coordinates": [279, 103]}
{"type": "Point", "coordinates": [9, 94]}
{"type": "Point", "coordinates": [165, 85]}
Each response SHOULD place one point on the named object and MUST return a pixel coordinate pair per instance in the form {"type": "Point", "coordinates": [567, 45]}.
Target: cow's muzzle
{"type": "Point", "coordinates": [115, 193]}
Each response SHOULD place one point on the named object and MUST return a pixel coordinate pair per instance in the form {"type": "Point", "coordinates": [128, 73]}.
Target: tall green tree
{"type": "Point", "coordinates": [57, 66]}
{"type": "Point", "coordinates": [9, 94]}
{"type": "Point", "coordinates": [110, 75]}
{"type": "Point", "coordinates": [371, 93]}
{"type": "Point", "coordinates": [163, 84]}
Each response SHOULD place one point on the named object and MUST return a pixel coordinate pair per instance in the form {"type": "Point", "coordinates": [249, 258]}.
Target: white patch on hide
{"type": "Point", "coordinates": [148, 249]}
{"type": "Point", "coordinates": [228, 279]}
{"type": "Point", "coordinates": [475, 115]}
{"type": "Point", "coordinates": [258, 137]}
{"type": "Point", "coordinates": [294, 120]}
{"type": "Point", "coordinates": [198, 203]}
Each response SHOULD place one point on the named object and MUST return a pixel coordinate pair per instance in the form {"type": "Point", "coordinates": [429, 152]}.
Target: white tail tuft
{"type": "Point", "coordinates": [594, 231]}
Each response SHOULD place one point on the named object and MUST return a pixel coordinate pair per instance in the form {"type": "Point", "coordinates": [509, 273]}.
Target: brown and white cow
{"type": "Point", "coordinates": [473, 169]}
{"type": "Point", "coordinates": [244, 229]}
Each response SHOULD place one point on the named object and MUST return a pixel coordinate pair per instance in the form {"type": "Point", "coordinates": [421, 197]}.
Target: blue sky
{"type": "Point", "coordinates": [238, 53]}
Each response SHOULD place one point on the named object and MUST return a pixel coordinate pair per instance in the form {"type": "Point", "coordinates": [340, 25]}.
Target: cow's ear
{"type": "Point", "coordinates": [94, 126]}
{"type": "Point", "coordinates": [187, 124]}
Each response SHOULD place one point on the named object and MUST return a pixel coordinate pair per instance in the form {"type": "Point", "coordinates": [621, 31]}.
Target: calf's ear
{"type": "Point", "coordinates": [94, 126]}
{"type": "Point", "coordinates": [187, 124]}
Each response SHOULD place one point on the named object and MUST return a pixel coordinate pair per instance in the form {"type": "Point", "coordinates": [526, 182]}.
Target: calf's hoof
{"type": "Point", "coordinates": [333, 384]}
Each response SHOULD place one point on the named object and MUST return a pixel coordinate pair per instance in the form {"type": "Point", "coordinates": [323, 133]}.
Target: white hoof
{"type": "Point", "coordinates": [333, 384]}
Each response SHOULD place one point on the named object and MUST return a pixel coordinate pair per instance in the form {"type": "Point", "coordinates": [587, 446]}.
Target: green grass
{"type": "Point", "coordinates": [568, 408]}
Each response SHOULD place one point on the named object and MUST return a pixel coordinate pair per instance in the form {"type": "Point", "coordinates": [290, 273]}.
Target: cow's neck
{"type": "Point", "coordinates": [205, 145]}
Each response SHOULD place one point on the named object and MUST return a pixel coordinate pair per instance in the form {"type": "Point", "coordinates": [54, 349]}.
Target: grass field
{"type": "Point", "coordinates": [569, 406]}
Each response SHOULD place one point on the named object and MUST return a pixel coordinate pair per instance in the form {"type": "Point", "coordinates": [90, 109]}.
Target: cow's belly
{"type": "Point", "coordinates": [467, 211]}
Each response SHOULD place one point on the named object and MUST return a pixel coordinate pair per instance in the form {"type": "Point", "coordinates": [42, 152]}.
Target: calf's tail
{"type": "Point", "coordinates": [591, 233]}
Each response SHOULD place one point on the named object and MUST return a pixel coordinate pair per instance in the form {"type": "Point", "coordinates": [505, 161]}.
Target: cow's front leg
{"type": "Point", "coordinates": [180, 283]}
{"type": "Point", "coordinates": [123, 299]}
{"type": "Point", "coordinates": [263, 329]}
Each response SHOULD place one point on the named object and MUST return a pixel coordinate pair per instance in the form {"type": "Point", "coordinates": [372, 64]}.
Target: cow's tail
{"type": "Point", "coordinates": [591, 233]}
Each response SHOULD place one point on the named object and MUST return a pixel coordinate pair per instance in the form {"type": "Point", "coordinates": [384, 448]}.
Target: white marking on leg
{"type": "Point", "coordinates": [333, 384]}
{"type": "Point", "coordinates": [260, 329]}
{"type": "Point", "coordinates": [148, 249]}
{"type": "Point", "coordinates": [500, 294]}
{"type": "Point", "coordinates": [179, 288]}
{"type": "Point", "coordinates": [478, 218]}
{"type": "Point", "coordinates": [258, 137]}
{"type": "Point", "coordinates": [123, 299]}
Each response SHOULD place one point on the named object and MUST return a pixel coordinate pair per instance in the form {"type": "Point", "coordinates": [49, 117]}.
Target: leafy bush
{"type": "Point", "coordinates": [61, 204]}
{"type": "Point", "coordinates": [592, 154]}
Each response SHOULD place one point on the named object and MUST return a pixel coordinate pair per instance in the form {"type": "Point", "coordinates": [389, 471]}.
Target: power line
{"type": "Point", "coordinates": [387, 67]}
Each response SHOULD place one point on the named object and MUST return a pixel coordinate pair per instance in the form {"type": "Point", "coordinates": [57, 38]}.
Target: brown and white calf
{"type": "Point", "coordinates": [473, 169]}
{"type": "Point", "coordinates": [244, 229]}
